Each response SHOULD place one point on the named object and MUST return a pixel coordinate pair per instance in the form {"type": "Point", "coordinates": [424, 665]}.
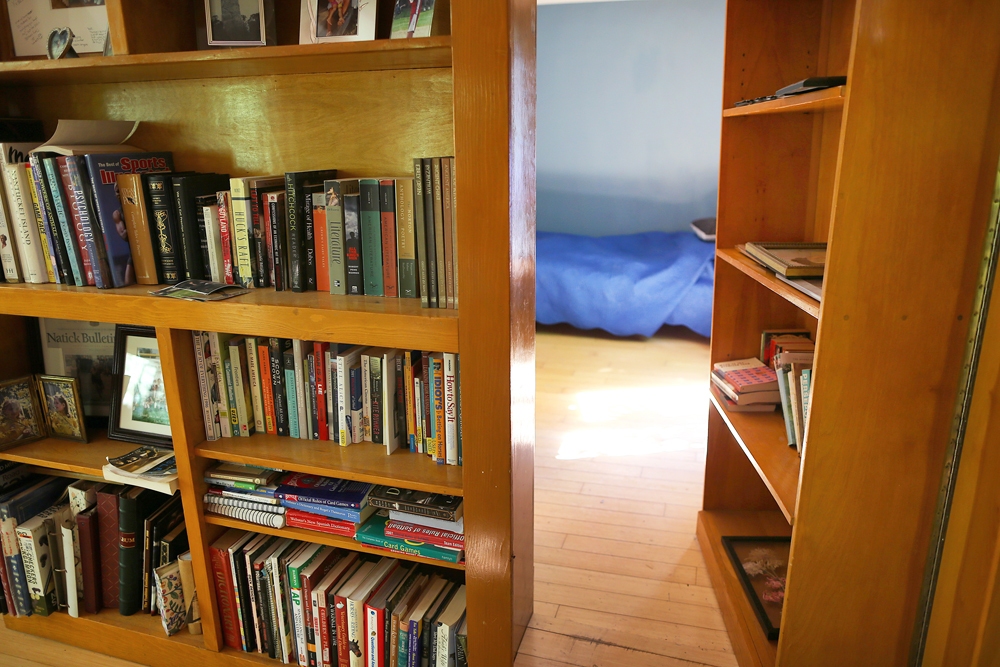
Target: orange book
{"type": "Point", "coordinates": [321, 235]}
{"type": "Point", "coordinates": [137, 225]}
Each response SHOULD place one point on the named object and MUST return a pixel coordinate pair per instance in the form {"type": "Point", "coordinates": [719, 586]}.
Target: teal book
{"type": "Point", "coordinates": [373, 533]}
{"type": "Point", "coordinates": [371, 238]}
{"type": "Point", "coordinates": [293, 408]}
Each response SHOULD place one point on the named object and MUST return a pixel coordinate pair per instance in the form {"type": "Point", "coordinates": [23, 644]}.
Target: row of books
{"type": "Point", "coordinates": [324, 391]}
{"type": "Point", "coordinates": [399, 520]}
{"type": "Point", "coordinates": [315, 605]}
{"type": "Point", "coordinates": [90, 545]}
{"type": "Point", "coordinates": [790, 353]}
{"type": "Point", "coordinates": [117, 216]}
{"type": "Point", "coordinates": [799, 265]}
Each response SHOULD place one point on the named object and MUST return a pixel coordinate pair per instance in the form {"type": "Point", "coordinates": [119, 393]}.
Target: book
{"type": "Point", "coordinates": [450, 409]}
{"type": "Point", "coordinates": [170, 598]}
{"type": "Point", "coordinates": [324, 491]}
{"type": "Point", "coordinates": [746, 398]}
{"type": "Point", "coordinates": [28, 241]}
{"type": "Point", "coordinates": [792, 260]}
{"type": "Point", "coordinates": [357, 416]}
{"type": "Point", "coordinates": [274, 220]}
{"type": "Point", "coordinates": [809, 286]}
{"type": "Point", "coordinates": [52, 269]}
{"type": "Point", "coordinates": [253, 560]}
{"type": "Point", "coordinates": [320, 350]}
{"type": "Point", "coordinates": [258, 517]}
{"type": "Point", "coordinates": [374, 611]}
{"type": "Point", "coordinates": [299, 519]}
{"type": "Point", "coordinates": [278, 563]}
{"type": "Point", "coordinates": [387, 217]}
{"type": "Point", "coordinates": [406, 240]}
{"type": "Point", "coordinates": [267, 385]}
{"type": "Point", "coordinates": [242, 473]}
{"type": "Point", "coordinates": [134, 506]}
{"type": "Point", "coordinates": [373, 532]}
{"type": "Point", "coordinates": [420, 232]}
{"type": "Point", "coordinates": [219, 346]}
{"type": "Point", "coordinates": [344, 648]}
{"type": "Point", "coordinates": [335, 238]}
{"type": "Point", "coordinates": [108, 527]}
{"type": "Point", "coordinates": [371, 238]}
{"type": "Point", "coordinates": [137, 217]}
{"type": "Point", "coordinates": [353, 268]}
{"type": "Point", "coordinates": [337, 513]}
{"type": "Point", "coordinates": [439, 239]}
{"type": "Point", "coordinates": [433, 536]}
{"type": "Point", "coordinates": [225, 593]}
{"type": "Point", "coordinates": [295, 182]}
{"type": "Point", "coordinates": [295, 566]}
{"type": "Point", "coordinates": [356, 631]}
{"type": "Point", "coordinates": [309, 234]}
{"type": "Point", "coordinates": [424, 503]}
{"type": "Point", "coordinates": [454, 231]}
{"type": "Point", "coordinates": [449, 248]}
{"type": "Point", "coordinates": [299, 352]}
{"type": "Point", "coordinates": [292, 395]}
{"type": "Point", "coordinates": [192, 608]}
{"type": "Point", "coordinates": [167, 235]}
{"type": "Point", "coordinates": [90, 560]}
{"type": "Point", "coordinates": [193, 240]}
{"type": "Point", "coordinates": [430, 232]}
{"type": "Point", "coordinates": [244, 416]}
{"type": "Point", "coordinates": [732, 406]}
{"type": "Point", "coordinates": [447, 626]}
{"type": "Point", "coordinates": [437, 395]}
{"type": "Point", "coordinates": [208, 208]}
{"type": "Point", "coordinates": [411, 625]}
{"type": "Point", "coordinates": [321, 233]}
{"type": "Point", "coordinates": [256, 386]}
{"type": "Point", "coordinates": [746, 375]}
{"type": "Point", "coordinates": [10, 212]}
{"type": "Point", "coordinates": [428, 638]}
{"type": "Point", "coordinates": [103, 170]}
{"type": "Point", "coordinates": [207, 385]}
{"type": "Point", "coordinates": [281, 416]}
{"type": "Point", "coordinates": [346, 359]}
{"type": "Point", "coordinates": [311, 575]}
{"type": "Point", "coordinates": [40, 554]}
{"type": "Point", "coordinates": [58, 255]}
{"type": "Point", "coordinates": [259, 187]}
{"type": "Point", "coordinates": [324, 623]}
{"type": "Point", "coordinates": [243, 233]}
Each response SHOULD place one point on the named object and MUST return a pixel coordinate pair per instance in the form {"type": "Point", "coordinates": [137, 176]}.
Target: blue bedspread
{"type": "Point", "coordinates": [626, 285]}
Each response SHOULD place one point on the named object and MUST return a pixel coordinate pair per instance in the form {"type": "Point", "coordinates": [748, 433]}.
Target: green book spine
{"type": "Point", "coordinates": [293, 409]}
{"type": "Point", "coordinates": [373, 533]}
{"type": "Point", "coordinates": [371, 238]}
{"type": "Point", "coordinates": [335, 238]}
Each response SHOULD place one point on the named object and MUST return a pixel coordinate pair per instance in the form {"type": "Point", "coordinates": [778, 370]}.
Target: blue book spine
{"type": "Point", "coordinates": [51, 168]}
{"type": "Point", "coordinates": [339, 513]}
{"type": "Point", "coordinates": [89, 225]}
{"type": "Point", "coordinates": [293, 410]}
{"type": "Point", "coordinates": [413, 655]}
{"type": "Point", "coordinates": [50, 241]}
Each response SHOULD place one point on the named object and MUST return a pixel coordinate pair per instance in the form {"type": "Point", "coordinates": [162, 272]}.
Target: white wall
{"type": "Point", "coordinates": [629, 105]}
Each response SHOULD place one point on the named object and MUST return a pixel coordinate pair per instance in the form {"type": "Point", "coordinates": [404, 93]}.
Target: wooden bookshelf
{"type": "Point", "coordinates": [365, 108]}
{"type": "Point", "coordinates": [818, 100]}
{"type": "Point", "coordinates": [324, 538]}
{"type": "Point", "coordinates": [77, 458]}
{"type": "Point", "coordinates": [365, 462]}
{"type": "Point", "coordinates": [897, 179]}
{"type": "Point", "coordinates": [765, 277]}
{"type": "Point", "coordinates": [764, 440]}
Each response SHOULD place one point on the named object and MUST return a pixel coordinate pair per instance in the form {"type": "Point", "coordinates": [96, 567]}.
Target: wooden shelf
{"type": "Point", "coordinates": [78, 458]}
{"type": "Point", "coordinates": [750, 644]}
{"type": "Point", "coordinates": [361, 320]}
{"type": "Point", "coordinates": [820, 100]}
{"type": "Point", "coordinates": [383, 54]}
{"type": "Point", "coordinates": [325, 538]}
{"type": "Point", "coordinates": [767, 278]}
{"type": "Point", "coordinates": [763, 438]}
{"type": "Point", "coordinates": [365, 462]}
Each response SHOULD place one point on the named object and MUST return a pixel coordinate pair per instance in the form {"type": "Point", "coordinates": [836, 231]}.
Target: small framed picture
{"type": "Point", "coordinates": [237, 22]}
{"type": "Point", "coordinates": [322, 21]}
{"type": "Point", "coordinates": [139, 402]}
{"type": "Point", "coordinates": [62, 407]}
{"type": "Point", "coordinates": [21, 417]}
{"type": "Point", "coordinates": [761, 563]}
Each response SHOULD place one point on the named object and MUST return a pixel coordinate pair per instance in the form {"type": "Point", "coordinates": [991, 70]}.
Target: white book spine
{"type": "Point", "coordinates": [71, 563]}
{"type": "Point", "coordinates": [8, 255]}
{"type": "Point", "coordinates": [332, 421]}
{"type": "Point", "coordinates": [355, 621]}
{"type": "Point", "coordinates": [30, 562]}
{"type": "Point", "coordinates": [29, 244]}
{"type": "Point", "coordinates": [450, 411]}
{"type": "Point", "coordinates": [442, 645]}
{"type": "Point", "coordinates": [213, 237]}
{"type": "Point", "coordinates": [256, 391]}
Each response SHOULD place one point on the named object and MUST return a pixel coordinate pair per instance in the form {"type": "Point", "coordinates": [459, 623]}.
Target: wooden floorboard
{"type": "Point", "coordinates": [619, 460]}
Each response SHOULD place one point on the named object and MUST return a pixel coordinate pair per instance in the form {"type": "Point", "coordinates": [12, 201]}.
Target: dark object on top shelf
{"type": "Point", "coordinates": [704, 228]}
{"type": "Point", "coordinates": [18, 130]}
{"type": "Point", "coordinates": [811, 84]}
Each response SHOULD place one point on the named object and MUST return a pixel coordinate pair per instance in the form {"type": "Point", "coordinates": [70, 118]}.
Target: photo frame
{"type": "Point", "coordinates": [21, 416]}
{"type": "Point", "coordinates": [138, 403]}
{"type": "Point", "coordinates": [239, 22]}
{"type": "Point", "coordinates": [324, 21]}
{"type": "Point", "coordinates": [62, 407]}
{"type": "Point", "coordinates": [761, 563]}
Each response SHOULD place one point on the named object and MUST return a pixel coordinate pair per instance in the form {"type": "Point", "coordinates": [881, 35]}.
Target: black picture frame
{"type": "Point", "coordinates": [732, 545]}
{"type": "Point", "coordinates": [121, 423]}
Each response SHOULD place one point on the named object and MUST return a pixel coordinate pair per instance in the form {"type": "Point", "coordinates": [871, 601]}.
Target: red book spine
{"type": "Point", "coordinates": [321, 234]}
{"type": "Point", "coordinates": [300, 519]}
{"type": "Point", "coordinates": [107, 531]}
{"type": "Point", "coordinates": [227, 253]}
{"type": "Point", "coordinates": [439, 538]}
{"type": "Point", "coordinates": [267, 389]}
{"type": "Point", "coordinates": [427, 380]}
{"type": "Point", "coordinates": [438, 370]}
{"type": "Point", "coordinates": [322, 386]}
{"type": "Point", "coordinates": [90, 561]}
{"type": "Point", "coordinates": [226, 597]}
{"type": "Point", "coordinates": [375, 628]}
{"type": "Point", "coordinates": [343, 653]}
{"type": "Point", "coordinates": [11, 609]}
{"type": "Point", "coordinates": [387, 202]}
{"type": "Point", "coordinates": [74, 212]}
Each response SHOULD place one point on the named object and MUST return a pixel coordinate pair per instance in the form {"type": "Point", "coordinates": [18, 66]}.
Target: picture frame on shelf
{"type": "Point", "coordinates": [419, 18]}
{"type": "Point", "coordinates": [139, 402]}
{"type": "Point", "coordinates": [21, 416]}
{"type": "Point", "coordinates": [32, 21]}
{"type": "Point", "coordinates": [240, 23]}
{"type": "Point", "coordinates": [61, 404]}
{"type": "Point", "coordinates": [761, 563]}
{"type": "Point", "coordinates": [324, 21]}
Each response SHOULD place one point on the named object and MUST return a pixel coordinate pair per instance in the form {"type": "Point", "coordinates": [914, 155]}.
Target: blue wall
{"type": "Point", "coordinates": [629, 103]}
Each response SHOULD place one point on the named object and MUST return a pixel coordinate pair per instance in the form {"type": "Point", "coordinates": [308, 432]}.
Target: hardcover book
{"type": "Point", "coordinates": [420, 230]}
{"type": "Point", "coordinates": [27, 240]}
{"type": "Point", "coordinates": [321, 232]}
{"type": "Point", "coordinates": [406, 240]}
{"type": "Point", "coordinates": [138, 217]}
{"type": "Point", "coordinates": [166, 233]}
{"type": "Point", "coordinates": [335, 238]}
{"type": "Point", "coordinates": [373, 533]}
{"type": "Point", "coordinates": [371, 237]}
{"type": "Point", "coordinates": [354, 264]}
{"type": "Point", "coordinates": [324, 491]}
{"type": "Point", "coordinates": [387, 212]}
{"type": "Point", "coordinates": [295, 182]}
{"type": "Point", "coordinates": [104, 170]}
{"type": "Point", "coordinates": [193, 240]}
{"type": "Point", "coordinates": [792, 260]}
{"type": "Point", "coordinates": [78, 191]}
{"type": "Point", "coordinates": [58, 255]}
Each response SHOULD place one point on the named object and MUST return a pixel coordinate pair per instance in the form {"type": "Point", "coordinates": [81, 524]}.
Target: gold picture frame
{"type": "Point", "coordinates": [62, 407]}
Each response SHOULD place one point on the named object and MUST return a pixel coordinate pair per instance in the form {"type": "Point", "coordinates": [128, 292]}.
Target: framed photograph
{"type": "Point", "coordinates": [60, 398]}
{"type": "Point", "coordinates": [21, 417]}
{"type": "Point", "coordinates": [237, 22]}
{"type": "Point", "coordinates": [32, 21]}
{"type": "Point", "coordinates": [761, 563]}
{"type": "Point", "coordinates": [139, 402]}
{"type": "Point", "coordinates": [85, 351]}
{"type": "Point", "coordinates": [322, 21]}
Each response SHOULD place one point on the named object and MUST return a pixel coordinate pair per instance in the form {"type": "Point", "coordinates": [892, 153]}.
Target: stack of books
{"type": "Point", "coordinates": [85, 546]}
{"type": "Point", "coordinates": [745, 385]}
{"type": "Point", "coordinates": [308, 604]}
{"type": "Point", "coordinates": [800, 265]}
{"type": "Point", "coordinates": [416, 522]}
{"type": "Point", "coordinates": [324, 391]}
{"type": "Point", "coordinates": [790, 353]}
{"type": "Point", "coordinates": [244, 492]}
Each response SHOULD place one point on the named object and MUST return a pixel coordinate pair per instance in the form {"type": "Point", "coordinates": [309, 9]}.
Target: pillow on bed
{"type": "Point", "coordinates": [626, 285]}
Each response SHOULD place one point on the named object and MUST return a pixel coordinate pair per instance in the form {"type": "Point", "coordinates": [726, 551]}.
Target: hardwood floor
{"type": "Point", "coordinates": [619, 461]}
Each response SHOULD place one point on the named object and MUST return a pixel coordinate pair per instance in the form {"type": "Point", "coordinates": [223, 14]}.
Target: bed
{"type": "Point", "coordinates": [626, 285]}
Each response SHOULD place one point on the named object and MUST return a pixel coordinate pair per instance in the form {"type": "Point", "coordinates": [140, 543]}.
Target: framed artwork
{"type": "Point", "coordinates": [21, 417]}
{"type": "Point", "coordinates": [32, 21]}
{"type": "Point", "coordinates": [139, 402]}
{"type": "Point", "coordinates": [239, 22]}
{"type": "Point", "coordinates": [85, 351]}
{"type": "Point", "coordinates": [761, 563]}
{"type": "Point", "coordinates": [322, 21]}
{"type": "Point", "coordinates": [61, 404]}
